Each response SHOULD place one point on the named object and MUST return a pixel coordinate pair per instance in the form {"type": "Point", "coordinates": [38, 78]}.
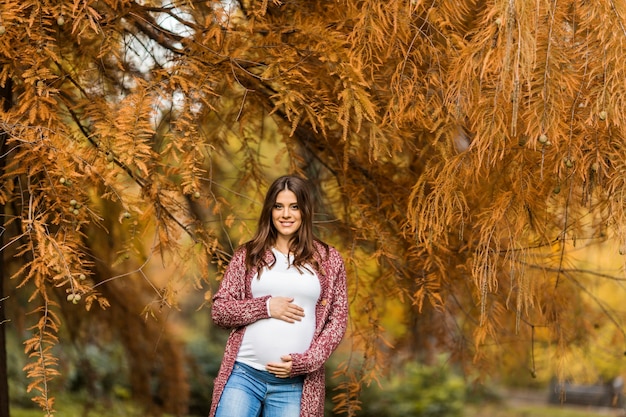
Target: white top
{"type": "Point", "coordinates": [266, 340]}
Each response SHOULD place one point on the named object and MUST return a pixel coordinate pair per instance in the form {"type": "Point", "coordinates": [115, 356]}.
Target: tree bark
{"type": "Point", "coordinates": [5, 96]}
{"type": "Point", "coordinates": [4, 379]}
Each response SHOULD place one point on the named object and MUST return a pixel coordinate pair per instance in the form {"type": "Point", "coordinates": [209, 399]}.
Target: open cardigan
{"type": "Point", "coordinates": [234, 308]}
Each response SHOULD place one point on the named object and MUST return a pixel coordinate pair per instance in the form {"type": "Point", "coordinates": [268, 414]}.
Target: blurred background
{"type": "Point", "coordinates": [467, 159]}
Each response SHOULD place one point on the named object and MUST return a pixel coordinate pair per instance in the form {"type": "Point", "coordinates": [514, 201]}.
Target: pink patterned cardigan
{"type": "Point", "coordinates": [234, 308]}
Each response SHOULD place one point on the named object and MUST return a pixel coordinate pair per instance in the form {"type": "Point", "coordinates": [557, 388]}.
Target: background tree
{"type": "Point", "coordinates": [463, 152]}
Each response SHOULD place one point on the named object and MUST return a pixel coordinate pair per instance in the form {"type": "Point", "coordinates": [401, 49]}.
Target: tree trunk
{"type": "Point", "coordinates": [4, 380]}
{"type": "Point", "coordinates": [5, 96]}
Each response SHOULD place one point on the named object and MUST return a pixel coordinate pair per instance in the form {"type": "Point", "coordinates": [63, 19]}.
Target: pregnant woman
{"type": "Point", "coordinates": [284, 297]}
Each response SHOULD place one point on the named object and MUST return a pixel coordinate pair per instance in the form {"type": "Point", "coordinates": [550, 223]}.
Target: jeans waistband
{"type": "Point", "coordinates": [268, 377]}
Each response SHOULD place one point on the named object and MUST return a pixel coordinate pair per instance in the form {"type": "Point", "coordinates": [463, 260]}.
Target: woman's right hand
{"type": "Point", "coordinates": [283, 308]}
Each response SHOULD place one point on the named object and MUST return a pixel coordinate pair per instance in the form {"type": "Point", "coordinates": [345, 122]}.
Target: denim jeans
{"type": "Point", "coordinates": [253, 393]}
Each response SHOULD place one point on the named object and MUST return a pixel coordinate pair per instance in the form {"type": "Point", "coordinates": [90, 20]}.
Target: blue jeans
{"type": "Point", "coordinates": [253, 393]}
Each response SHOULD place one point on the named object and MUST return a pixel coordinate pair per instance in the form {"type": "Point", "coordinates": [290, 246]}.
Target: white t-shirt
{"type": "Point", "coordinates": [267, 340]}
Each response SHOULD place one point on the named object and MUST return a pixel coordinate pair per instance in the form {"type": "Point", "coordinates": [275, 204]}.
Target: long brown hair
{"type": "Point", "coordinates": [302, 244]}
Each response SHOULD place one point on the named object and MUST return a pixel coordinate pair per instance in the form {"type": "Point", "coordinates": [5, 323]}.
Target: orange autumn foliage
{"type": "Point", "coordinates": [460, 150]}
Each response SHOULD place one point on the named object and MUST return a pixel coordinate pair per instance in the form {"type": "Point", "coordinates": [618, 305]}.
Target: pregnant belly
{"type": "Point", "coordinates": [267, 340]}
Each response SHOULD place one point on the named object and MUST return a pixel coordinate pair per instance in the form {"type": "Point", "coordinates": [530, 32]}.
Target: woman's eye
{"type": "Point", "coordinates": [294, 207]}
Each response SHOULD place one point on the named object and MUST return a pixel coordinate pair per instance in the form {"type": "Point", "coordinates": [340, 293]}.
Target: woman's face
{"type": "Point", "coordinates": [286, 215]}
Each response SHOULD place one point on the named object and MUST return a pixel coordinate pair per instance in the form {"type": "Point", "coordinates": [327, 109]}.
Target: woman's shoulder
{"type": "Point", "coordinates": [239, 255]}
{"type": "Point", "coordinates": [327, 253]}
{"type": "Point", "coordinates": [241, 249]}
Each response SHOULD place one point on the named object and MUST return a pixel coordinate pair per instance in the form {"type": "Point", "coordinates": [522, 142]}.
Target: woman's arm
{"type": "Point", "coordinates": [334, 327]}
{"type": "Point", "coordinates": [232, 307]}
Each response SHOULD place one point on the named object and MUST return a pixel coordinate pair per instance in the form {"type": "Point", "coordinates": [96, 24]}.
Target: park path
{"type": "Point", "coordinates": [520, 397]}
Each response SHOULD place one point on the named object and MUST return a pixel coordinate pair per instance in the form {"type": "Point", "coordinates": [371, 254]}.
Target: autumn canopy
{"type": "Point", "coordinates": [464, 153]}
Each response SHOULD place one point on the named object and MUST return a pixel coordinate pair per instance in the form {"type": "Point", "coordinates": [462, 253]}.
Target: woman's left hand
{"type": "Point", "coordinates": [282, 369]}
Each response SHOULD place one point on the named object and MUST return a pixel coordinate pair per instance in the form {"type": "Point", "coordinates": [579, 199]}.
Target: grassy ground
{"type": "Point", "coordinates": [69, 410]}
{"type": "Point", "coordinates": [68, 407]}
{"type": "Point", "coordinates": [538, 411]}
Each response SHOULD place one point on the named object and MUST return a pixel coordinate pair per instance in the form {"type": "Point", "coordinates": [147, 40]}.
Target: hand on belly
{"type": "Point", "coordinates": [282, 369]}
{"type": "Point", "coordinates": [283, 308]}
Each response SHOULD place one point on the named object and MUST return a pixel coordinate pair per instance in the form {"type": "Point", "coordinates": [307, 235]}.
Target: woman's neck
{"type": "Point", "coordinates": [282, 246]}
